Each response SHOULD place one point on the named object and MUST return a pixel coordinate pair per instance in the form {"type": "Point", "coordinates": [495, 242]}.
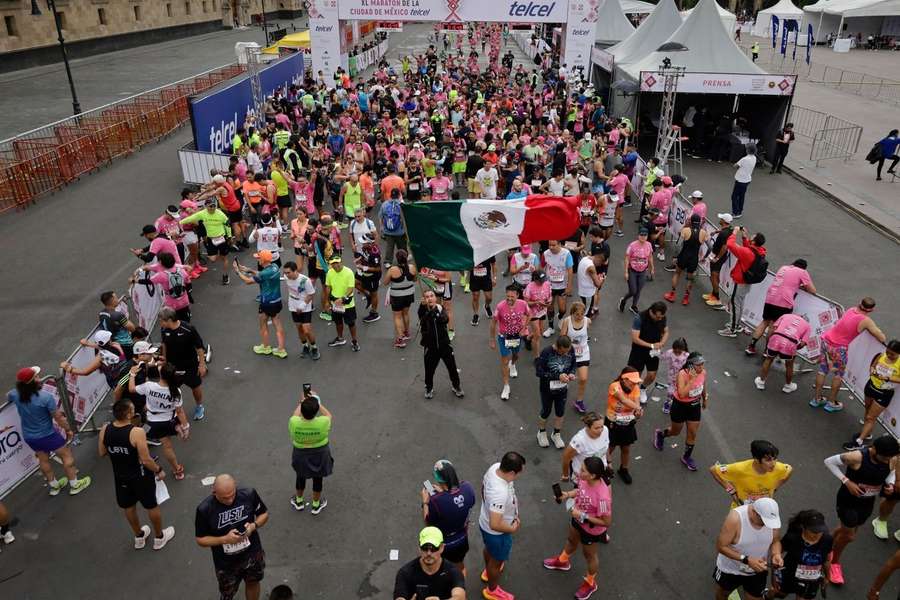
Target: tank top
{"type": "Point", "coordinates": [352, 198]}
{"type": "Point", "coordinates": [884, 370]}
{"type": "Point", "coordinates": [751, 542]}
{"type": "Point", "coordinates": [695, 394]}
{"type": "Point", "coordinates": [281, 183]}
{"type": "Point", "coordinates": [609, 215]}
{"type": "Point", "coordinates": [403, 285]}
{"type": "Point", "coordinates": [690, 248]}
{"type": "Point", "coordinates": [523, 277]}
{"type": "Point", "coordinates": [869, 476]}
{"type": "Point", "coordinates": [579, 339]}
{"type": "Point", "coordinates": [586, 287]}
{"type": "Point", "coordinates": [846, 329]}
{"type": "Point", "coordinates": [124, 457]}
{"type": "Point", "coordinates": [556, 268]}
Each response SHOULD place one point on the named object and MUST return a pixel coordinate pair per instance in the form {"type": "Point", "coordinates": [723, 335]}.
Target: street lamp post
{"type": "Point", "coordinates": [36, 11]}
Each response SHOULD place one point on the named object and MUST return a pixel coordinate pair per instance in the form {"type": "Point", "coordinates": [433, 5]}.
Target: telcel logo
{"type": "Point", "coordinates": [221, 137]}
{"type": "Point", "coordinates": [531, 9]}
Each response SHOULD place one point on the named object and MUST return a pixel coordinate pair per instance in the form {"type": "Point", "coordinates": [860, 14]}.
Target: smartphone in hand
{"type": "Point", "coordinates": [307, 390]}
{"type": "Point", "coordinates": [557, 493]}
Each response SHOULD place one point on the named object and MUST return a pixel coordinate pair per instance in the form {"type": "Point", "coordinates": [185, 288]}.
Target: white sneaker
{"type": "Point", "coordinates": [140, 542]}
{"type": "Point", "coordinates": [789, 387]}
{"type": "Point", "coordinates": [168, 534]}
{"type": "Point", "coordinates": [504, 394]}
{"type": "Point", "coordinates": [643, 397]}
{"type": "Point", "coordinates": [8, 537]}
{"type": "Point", "coordinates": [543, 442]}
{"type": "Point", "coordinates": [661, 256]}
{"type": "Point", "coordinates": [557, 440]}
{"type": "Point", "coordinates": [760, 383]}
{"type": "Point", "coordinates": [548, 332]}
{"type": "Point", "coordinates": [513, 372]}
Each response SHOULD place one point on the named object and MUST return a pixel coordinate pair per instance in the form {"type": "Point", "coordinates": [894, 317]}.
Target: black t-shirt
{"type": "Point", "coordinates": [216, 519]}
{"type": "Point", "coordinates": [804, 561]}
{"type": "Point", "coordinates": [440, 584]}
{"type": "Point", "coordinates": [601, 248]}
{"type": "Point", "coordinates": [473, 165]}
{"type": "Point", "coordinates": [722, 239]}
{"type": "Point", "coordinates": [651, 331]}
{"type": "Point", "coordinates": [181, 346]}
{"type": "Point", "coordinates": [484, 269]}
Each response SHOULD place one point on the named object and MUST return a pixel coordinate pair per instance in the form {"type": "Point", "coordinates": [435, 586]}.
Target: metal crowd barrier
{"type": "Point", "coordinates": [45, 159]}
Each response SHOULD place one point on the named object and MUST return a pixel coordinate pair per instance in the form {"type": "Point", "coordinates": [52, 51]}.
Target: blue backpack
{"type": "Point", "coordinates": [391, 220]}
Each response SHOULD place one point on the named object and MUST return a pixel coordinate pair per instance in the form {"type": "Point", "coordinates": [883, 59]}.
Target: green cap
{"type": "Point", "coordinates": [431, 535]}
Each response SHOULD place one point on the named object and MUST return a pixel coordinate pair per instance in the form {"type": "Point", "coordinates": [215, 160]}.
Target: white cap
{"type": "Point", "coordinates": [725, 217]}
{"type": "Point", "coordinates": [696, 194]}
{"type": "Point", "coordinates": [102, 336]}
{"type": "Point", "coordinates": [143, 347]}
{"type": "Point", "coordinates": [767, 509]}
{"type": "Point", "coordinates": [219, 179]}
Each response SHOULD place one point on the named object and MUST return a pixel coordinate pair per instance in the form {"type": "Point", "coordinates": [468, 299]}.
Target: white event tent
{"type": "Point", "coordinates": [729, 19]}
{"type": "Point", "coordinates": [636, 7]}
{"type": "Point", "coordinates": [785, 9]}
{"type": "Point", "coordinates": [612, 24]}
{"type": "Point", "coordinates": [875, 17]}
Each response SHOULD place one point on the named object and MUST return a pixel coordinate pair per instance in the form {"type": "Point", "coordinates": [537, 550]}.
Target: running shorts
{"type": "Point", "coordinates": [772, 312]}
{"type": "Point", "coordinates": [681, 412]}
{"type": "Point", "coordinates": [141, 489]}
{"type": "Point", "coordinates": [301, 317]}
{"type": "Point", "coordinates": [833, 358]}
{"type": "Point", "coordinates": [752, 584]}
{"type": "Point", "coordinates": [882, 397]}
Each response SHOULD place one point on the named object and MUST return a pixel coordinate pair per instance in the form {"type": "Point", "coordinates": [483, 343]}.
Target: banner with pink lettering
{"type": "Point", "coordinates": [723, 83]}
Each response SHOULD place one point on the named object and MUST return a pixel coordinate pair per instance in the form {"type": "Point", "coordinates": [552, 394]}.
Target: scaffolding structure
{"type": "Point", "coordinates": [669, 137]}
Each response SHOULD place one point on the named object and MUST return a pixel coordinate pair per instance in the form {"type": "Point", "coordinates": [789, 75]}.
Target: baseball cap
{"type": "Point", "coordinates": [211, 202]}
{"type": "Point", "coordinates": [431, 535]}
{"type": "Point", "coordinates": [667, 180]}
{"type": "Point", "coordinates": [102, 336]}
{"type": "Point", "coordinates": [632, 377]}
{"type": "Point", "coordinates": [439, 470]}
{"type": "Point", "coordinates": [172, 210]}
{"type": "Point", "coordinates": [816, 523]}
{"type": "Point", "coordinates": [143, 347]}
{"type": "Point", "coordinates": [767, 509]}
{"type": "Point", "coordinates": [27, 374]}
{"type": "Point", "coordinates": [726, 217]}
{"type": "Point", "coordinates": [696, 194]}
{"type": "Point", "coordinates": [335, 258]}
{"type": "Point", "coordinates": [263, 255]}
{"type": "Point", "coordinates": [218, 179]}
{"type": "Point", "coordinates": [491, 148]}
{"type": "Point", "coordinates": [643, 231]}
{"type": "Point", "coordinates": [148, 229]}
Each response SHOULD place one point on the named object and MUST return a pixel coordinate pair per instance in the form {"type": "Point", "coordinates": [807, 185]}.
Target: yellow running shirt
{"type": "Point", "coordinates": [749, 484]}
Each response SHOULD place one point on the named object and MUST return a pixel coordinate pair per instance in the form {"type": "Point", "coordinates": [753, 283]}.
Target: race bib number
{"type": "Point", "coordinates": [556, 275]}
{"type": "Point", "coordinates": [414, 187]}
{"type": "Point", "coordinates": [579, 349]}
{"type": "Point", "coordinates": [338, 308]}
{"type": "Point", "coordinates": [572, 245]}
{"type": "Point", "coordinates": [535, 183]}
{"type": "Point", "coordinates": [869, 490]}
{"type": "Point", "coordinates": [556, 384]}
{"type": "Point", "coordinates": [586, 211]}
{"type": "Point", "coordinates": [238, 547]}
{"type": "Point", "coordinates": [808, 572]}
{"type": "Point", "coordinates": [624, 419]}
{"type": "Point", "coordinates": [884, 373]}
{"type": "Point", "coordinates": [218, 240]}
{"type": "Point", "coordinates": [513, 342]}
{"type": "Point", "coordinates": [696, 391]}
{"type": "Point", "coordinates": [479, 272]}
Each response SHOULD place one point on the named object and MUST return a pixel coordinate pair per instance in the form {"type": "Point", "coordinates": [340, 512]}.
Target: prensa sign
{"type": "Point", "coordinates": [723, 83]}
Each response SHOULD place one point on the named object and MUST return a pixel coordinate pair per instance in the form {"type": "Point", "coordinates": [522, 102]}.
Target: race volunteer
{"type": "Point", "coordinates": [447, 506]}
{"type": "Point", "coordinates": [184, 349]}
{"type": "Point", "coordinates": [758, 477]}
{"type": "Point", "coordinates": [226, 522]}
{"type": "Point", "coordinates": [430, 575]}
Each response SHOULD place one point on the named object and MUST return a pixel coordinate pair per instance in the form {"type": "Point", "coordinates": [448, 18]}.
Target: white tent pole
{"type": "Point", "coordinates": [819, 29]}
{"type": "Point", "coordinates": [841, 26]}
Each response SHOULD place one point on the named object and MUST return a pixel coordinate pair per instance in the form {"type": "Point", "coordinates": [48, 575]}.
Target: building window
{"type": "Point", "coordinates": [101, 14]}
{"type": "Point", "coordinates": [61, 18]}
{"type": "Point", "coordinates": [205, 6]}
{"type": "Point", "coordinates": [169, 9]}
{"type": "Point", "coordinates": [187, 8]}
{"type": "Point", "coordinates": [11, 29]}
{"type": "Point", "coordinates": [137, 13]}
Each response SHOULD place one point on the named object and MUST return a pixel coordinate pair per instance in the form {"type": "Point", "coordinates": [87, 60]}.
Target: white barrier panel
{"type": "Point", "coordinates": [147, 299]}
{"type": "Point", "coordinates": [17, 461]}
{"type": "Point", "coordinates": [859, 356]}
{"type": "Point", "coordinates": [86, 392]}
{"type": "Point", "coordinates": [195, 165]}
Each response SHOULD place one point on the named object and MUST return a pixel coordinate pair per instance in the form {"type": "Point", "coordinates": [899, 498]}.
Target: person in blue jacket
{"type": "Point", "coordinates": [889, 147]}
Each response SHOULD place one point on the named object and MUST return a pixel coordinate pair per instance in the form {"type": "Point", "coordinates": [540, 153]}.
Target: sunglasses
{"type": "Point", "coordinates": [429, 548]}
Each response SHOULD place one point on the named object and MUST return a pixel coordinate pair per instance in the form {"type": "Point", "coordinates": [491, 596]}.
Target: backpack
{"type": "Point", "coordinates": [875, 154]}
{"type": "Point", "coordinates": [176, 283]}
{"type": "Point", "coordinates": [390, 217]}
{"type": "Point", "coordinates": [757, 270]}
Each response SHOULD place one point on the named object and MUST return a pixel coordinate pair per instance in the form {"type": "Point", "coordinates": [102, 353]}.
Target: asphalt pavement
{"type": "Point", "coordinates": [72, 245]}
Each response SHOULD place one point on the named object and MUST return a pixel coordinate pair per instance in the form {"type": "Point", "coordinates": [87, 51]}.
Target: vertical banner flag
{"type": "Point", "coordinates": [784, 36]}
{"type": "Point", "coordinates": [774, 30]}
{"type": "Point", "coordinates": [809, 40]}
{"type": "Point", "coordinates": [580, 31]}
{"type": "Point", "coordinates": [325, 39]}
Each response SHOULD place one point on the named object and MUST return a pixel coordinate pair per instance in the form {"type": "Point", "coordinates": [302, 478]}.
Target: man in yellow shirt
{"type": "Point", "coordinates": [758, 477]}
{"type": "Point", "coordinates": [339, 300]}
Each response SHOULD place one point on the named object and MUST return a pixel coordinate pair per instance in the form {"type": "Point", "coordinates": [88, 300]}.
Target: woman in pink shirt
{"type": "Point", "coordinates": [791, 332]}
{"type": "Point", "coordinates": [789, 280]}
{"type": "Point", "coordinates": [590, 506]}
{"type": "Point", "coordinates": [439, 185]}
{"type": "Point", "coordinates": [638, 263]}
{"type": "Point", "coordinates": [538, 295]}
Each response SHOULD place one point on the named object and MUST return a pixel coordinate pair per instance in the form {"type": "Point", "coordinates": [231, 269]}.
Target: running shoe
{"type": "Point", "coordinates": [658, 439]}
{"type": "Point", "coordinates": [760, 383]}
{"type": "Point", "coordinates": [817, 403]}
{"type": "Point", "coordinates": [620, 233]}
{"type": "Point", "coordinates": [622, 302]}
{"type": "Point", "coordinates": [634, 310]}
{"type": "Point", "coordinates": [579, 406]}
{"type": "Point", "coordinates": [458, 392]}
{"type": "Point", "coordinates": [585, 590]}
{"type": "Point", "coordinates": [8, 537]}
{"type": "Point", "coordinates": [836, 574]}
{"type": "Point", "coordinates": [474, 320]}
{"type": "Point", "coordinates": [513, 371]}
{"type": "Point", "coordinates": [557, 440]}
{"type": "Point", "coordinates": [371, 318]}
{"type": "Point", "coordinates": [429, 394]}
{"type": "Point", "coordinates": [338, 341]}
{"type": "Point", "coordinates": [727, 332]}
{"type": "Point", "coordinates": [643, 396]}
{"type": "Point", "coordinates": [750, 350]}
{"type": "Point", "coordinates": [688, 462]}
{"type": "Point", "coordinates": [833, 408]}
{"type": "Point", "coordinates": [354, 345]}
{"type": "Point", "coordinates": [399, 343]}
{"type": "Point", "coordinates": [897, 535]}
{"type": "Point", "coordinates": [669, 296]}
{"type": "Point", "coordinates": [298, 503]}
{"type": "Point", "coordinates": [208, 354]}
{"type": "Point", "coordinates": [669, 268]}
{"type": "Point", "coordinates": [879, 527]}
{"type": "Point", "coordinates": [686, 299]}
{"type": "Point", "coordinates": [661, 256]}
{"type": "Point", "coordinates": [554, 564]}
{"type": "Point", "coordinates": [314, 353]}
{"type": "Point", "coordinates": [713, 301]}
{"type": "Point", "coordinates": [325, 316]}
{"type": "Point", "coordinates": [405, 335]}
{"type": "Point", "coordinates": [547, 332]}
{"type": "Point", "coordinates": [199, 412]}
{"type": "Point", "coordinates": [451, 334]}
{"type": "Point", "coordinates": [707, 297]}
{"type": "Point", "coordinates": [203, 269]}
{"type": "Point", "coordinates": [543, 442]}
{"type": "Point", "coordinates": [79, 485]}
{"type": "Point", "coordinates": [667, 406]}
{"type": "Point", "coordinates": [498, 593]}
{"type": "Point", "coordinates": [305, 352]}
{"type": "Point", "coordinates": [279, 353]}
{"type": "Point", "coordinates": [625, 475]}
{"type": "Point", "coordinates": [789, 388]}
{"type": "Point", "coordinates": [60, 484]}
{"type": "Point", "coordinates": [141, 540]}
{"type": "Point", "coordinates": [262, 349]}
{"type": "Point", "coordinates": [168, 534]}
{"type": "Point", "coordinates": [504, 393]}
{"type": "Point", "coordinates": [317, 509]}
{"type": "Point", "coordinates": [225, 279]}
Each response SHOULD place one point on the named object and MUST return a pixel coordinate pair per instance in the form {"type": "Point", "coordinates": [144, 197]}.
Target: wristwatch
{"type": "Point", "coordinates": [744, 559]}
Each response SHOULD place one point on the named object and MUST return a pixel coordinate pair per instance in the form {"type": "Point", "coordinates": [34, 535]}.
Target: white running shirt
{"type": "Point", "coordinates": [497, 495]}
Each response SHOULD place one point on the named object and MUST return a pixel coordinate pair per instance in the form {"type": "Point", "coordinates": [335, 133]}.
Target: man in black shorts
{"type": "Point", "coordinates": [135, 473]}
{"type": "Point", "coordinates": [429, 575]}
{"type": "Point", "coordinates": [483, 278]}
{"type": "Point", "coordinates": [693, 237]}
{"type": "Point", "coordinates": [183, 347]}
{"type": "Point", "coordinates": [717, 257]}
{"type": "Point", "coordinates": [368, 275]}
{"type": "Point", "coordinates": [226, 522]}
{"type": "Point", "coordinates": [649, 333]}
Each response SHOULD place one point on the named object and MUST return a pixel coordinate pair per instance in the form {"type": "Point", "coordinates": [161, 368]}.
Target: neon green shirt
{"type": "Point", "coordinates": [311, 433]}
{"type": "Point", "coordinates": [281, 184]}
{"type": "Point", "coordinates": [216, 223]}
{"type": "Point", "coordinates": [341, 285]}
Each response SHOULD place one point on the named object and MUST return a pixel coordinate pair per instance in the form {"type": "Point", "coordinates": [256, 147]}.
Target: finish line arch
{"type": "Point", "coordinates": [579, 19]}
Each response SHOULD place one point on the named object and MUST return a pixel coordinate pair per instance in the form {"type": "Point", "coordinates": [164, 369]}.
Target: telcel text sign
{"type": "Point", "coordinates": [521, 11]}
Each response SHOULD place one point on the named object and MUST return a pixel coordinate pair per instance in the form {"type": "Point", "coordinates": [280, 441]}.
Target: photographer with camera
{"type": "Point", "coordinates": [309, 427]}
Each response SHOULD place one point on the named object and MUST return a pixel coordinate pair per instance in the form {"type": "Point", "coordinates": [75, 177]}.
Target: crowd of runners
{"type": "Point", "coordinates": [317, 194]}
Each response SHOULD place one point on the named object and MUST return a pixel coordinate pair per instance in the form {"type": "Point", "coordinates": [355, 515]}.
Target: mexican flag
{"type": "Point", "coordinates": [454, 235]}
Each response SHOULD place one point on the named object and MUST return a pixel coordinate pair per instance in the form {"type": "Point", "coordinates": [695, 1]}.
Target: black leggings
{"type": "Point", "coordinates": [301, 483]}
